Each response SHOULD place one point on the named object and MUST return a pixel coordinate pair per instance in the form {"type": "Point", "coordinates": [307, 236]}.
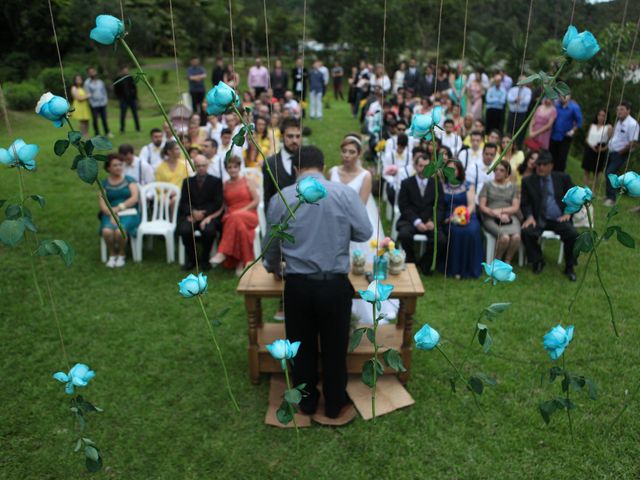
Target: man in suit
{"type": "Point", "coordinates": [542, 209]}
{"type": "Point", "coordinates": [412, 76]}
{"type": "Point", "coordinates": [206, 199]}
{"type": "Point", "coordinates": [415, 201]}
{"type": "Point", "coordinates": [426, 82]}
{"type": "Point", "coordinates": [299, 79]}
{"type": "Point", "coordinates": [282, 163]}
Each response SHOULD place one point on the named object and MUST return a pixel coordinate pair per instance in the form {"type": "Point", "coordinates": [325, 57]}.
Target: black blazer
{"type": "Point", "coordinates": [426, 86]}
{"type": "Point", "coordinates": [414, 206]}
{"type": "Point", "coordinates": [208, 198]}
{"type": "Point", "coordinates": [531, 196]}
{"type": "Point", "coordinates": [283, 178]}
{"type": "Point", "coordinates": [296, 77]}
{"type": "Point", "coordinates": [411, 80]}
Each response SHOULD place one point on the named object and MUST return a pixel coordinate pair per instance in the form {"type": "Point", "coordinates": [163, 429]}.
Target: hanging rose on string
{"type": "Point", "coordinates": [19, 154]}
{"type": "Point", "coordinates": [579, 46]}
{"type": "Point", "coordinates": [107, 30]}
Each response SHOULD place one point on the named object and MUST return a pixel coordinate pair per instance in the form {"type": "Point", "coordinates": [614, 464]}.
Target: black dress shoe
{"type": "Point", "coordinates": [205, 266]}
{"type": "Point", "coordinates": [538, 267]}
{"type": "Point", "coordinates": [188, 266]}
{"type": "Point", "coordinates": [570, 274]}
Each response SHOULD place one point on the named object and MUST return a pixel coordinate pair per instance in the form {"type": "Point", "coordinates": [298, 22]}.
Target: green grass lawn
{"type": "Point", "coordinates": [167, 414]}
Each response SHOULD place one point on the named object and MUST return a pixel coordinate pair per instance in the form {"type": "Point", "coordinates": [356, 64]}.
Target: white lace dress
{"type": "Point", "coordinates": [361, 309]}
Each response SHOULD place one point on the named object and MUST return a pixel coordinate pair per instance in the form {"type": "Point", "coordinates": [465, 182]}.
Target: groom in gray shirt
{"type": "Point", "coordinates": [317, 291]}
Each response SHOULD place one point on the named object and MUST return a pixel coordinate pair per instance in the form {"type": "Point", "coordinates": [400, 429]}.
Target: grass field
{"type": "Point", "coordinates": [167, 415]}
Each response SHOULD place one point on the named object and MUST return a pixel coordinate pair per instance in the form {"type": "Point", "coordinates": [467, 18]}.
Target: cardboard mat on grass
{"type": "Point", "coordinates": [390, 396]}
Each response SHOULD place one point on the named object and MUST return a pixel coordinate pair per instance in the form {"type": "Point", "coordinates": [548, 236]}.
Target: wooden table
{"type": "Point", "coordinates": [257, 284]}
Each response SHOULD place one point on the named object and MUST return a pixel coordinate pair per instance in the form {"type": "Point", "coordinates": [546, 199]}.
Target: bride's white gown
{"type": "Point", "coordinates": [361, 309]}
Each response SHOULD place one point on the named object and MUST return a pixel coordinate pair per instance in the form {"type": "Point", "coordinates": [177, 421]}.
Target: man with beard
{"type": "Point", "coordinates": [282, 163]}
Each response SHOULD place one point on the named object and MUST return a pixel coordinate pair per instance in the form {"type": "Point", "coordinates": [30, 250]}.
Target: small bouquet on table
{"type": "Point", "coordinates": [381, 257]}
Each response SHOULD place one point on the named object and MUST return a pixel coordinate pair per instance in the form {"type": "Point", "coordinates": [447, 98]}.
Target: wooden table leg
{"type": "Point", "coordinates": [408, 307]}
{"type": "Point", "coordinates": [252, 305]}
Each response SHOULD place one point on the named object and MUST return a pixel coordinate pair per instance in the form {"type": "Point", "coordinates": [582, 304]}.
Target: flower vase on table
{"type": "Point", "coordinates": [380, 267]}
{"type": "Point", "coordinates": [396, 261]}
{"type": "Point", "coordinates": [357, 263]}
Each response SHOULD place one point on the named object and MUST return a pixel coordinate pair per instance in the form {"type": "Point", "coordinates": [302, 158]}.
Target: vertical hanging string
{"type": "Point", "coordinates": [55, 37]}
{"type": "Point", "coordinates": [121, 11]}
{"type": "Point", "coordinates": [606, 112]}
{"type": "Point", "coordinates": [54, 310]}
{"type": "Point", "coordinates": [233, 50]}
{"type": "Point", "coordinates": [304, 39]}
{"type": "Point", "coordinates": [573, 11]}
{"type": "Point", "coordinates": [186, 167]}
{"type": "Point", "coordinates": [379, 166]}
{"type": "Point", "coordinates": [624, 82]}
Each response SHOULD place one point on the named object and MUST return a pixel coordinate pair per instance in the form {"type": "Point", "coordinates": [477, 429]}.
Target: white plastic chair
{"type": "Point", "coordinates": [104, 253]}
{"type": "Point", "coordinates": [550, 235]}
{"type": "Point", "coordinates": [162, 221]}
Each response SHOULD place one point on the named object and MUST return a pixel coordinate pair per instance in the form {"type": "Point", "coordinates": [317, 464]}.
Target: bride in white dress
{"type": "Point", "coordinates": [353, 175]}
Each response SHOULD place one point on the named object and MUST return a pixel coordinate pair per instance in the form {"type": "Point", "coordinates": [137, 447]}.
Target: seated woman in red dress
{"type": "Point", "coordinates": [239, 220]}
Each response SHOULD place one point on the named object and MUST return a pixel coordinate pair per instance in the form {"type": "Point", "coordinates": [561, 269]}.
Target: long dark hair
{"type": "Point", "coordinates": [523, 166]}
{"type": "Point", "coordinates": [606, 116]}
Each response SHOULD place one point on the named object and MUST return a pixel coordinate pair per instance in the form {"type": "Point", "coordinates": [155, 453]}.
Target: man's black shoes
{"type": "Point", "coordinates": [538, 267]}
{"type": "Point", "coordinates": [570, 274]}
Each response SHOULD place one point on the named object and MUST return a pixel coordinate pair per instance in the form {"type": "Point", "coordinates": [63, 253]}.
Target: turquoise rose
{"type": "Point", "coordinates": [283, 349]}
{"type": "Point", "coordinates": [53, 108]}
{"type": "Point", "coordinates": [499, 271]}
{"type": "Point", "coordinates": [310, 190]}
{"type": "Point", "coordinates": [427, 338]}
{"type": "Point", "coordinates": [421, 125]}
{"type": "Point", "coordinates": [78, 376]}
{"type": "Point", "coordinates": [220, 98]}
{"type": "Point", "coordinates": [575, 198]}
{"type": "Point", "coordinates": [376, 293]}
{"type": "Point", "coordinates": [579, 46]}
{"type": "Point", "coordinates": [630, 182]}
{"type": "Point", "coordinates": [436, 115]}
{"type": "Point", "coordinates": [192, 285]}
{"type": "Point", "coordinates": [19, 153]}
{"type": "Point", "coordinates": [108, 28]}
{"type": "Point", "coordinates": [556, 340]}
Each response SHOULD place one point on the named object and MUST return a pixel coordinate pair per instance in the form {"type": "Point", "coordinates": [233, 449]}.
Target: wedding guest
{"type": "Point", "coordinates": [519, 99]}
{"type": "Point", "coordinates": [217, 75]}
{"type": "Point", "coordinates": [500, 205]}
{"type": "Point", "coordinates": [623, 141]}
{"type": "Point", "coordinates": [415, 201]}
{"type": "Point", "coordinates": [258, 79]}
{"type": "Point", "coordinates": [463, 255]}
{"type": "Point", "coordinates": [122, 194]}
{"type": "Point", "coordinates": [279, 80]}
{"type": "Point", "coordinates": [542, 209]}
{"type": "Point", "coordinates": [479, 174]}
{"type": "Point", "coordinates": [412, 76]}
{"type": "Point", "coordinates": [140, 171]}
{"type": "Point", "coordinates": [398, 77]}
{"type": "Point", "coordinates": [127, 94]}
{"type": "Point", "coordinates": [174, 167]}
{"type": "Point", "coordinates": [595, 149]}
{"type": "Point", "coordinates": [152, 152]}
{"type": "Point", "coordinates": [299, 79]}
{"type": "Point", "coordinates": [337, 74]}
{"type": "Point", "coordinates": [541, 125]}
{"type": "Point", "coordinates": [196, 75]}
{"type": "Point", "coordinates": [200, 200]}
{"type": "Point", "coordinates": [451, 139]}
{"type": "Point", "coordinates": [396, 166]}
{"type": "Point", "coordinates": [81, 109]}
{"type": "Point", "coordinates": [282, 163]}
{"type": "Point", "coordinates": [239, 221]}
{"type": "Point", "coordinates": [495, 98]}
{"type": "Point", "coordinates": [317, 291]}
{"type": "Point", "coordinates": [261, 135]}
{"type": "Point", "coordinates": [527, 167]}
{"type": "Point", "coordinates": [316, 85]}
{"type": "Point", "coordinates": [98, 99]}
{"type": "Point", "coordinates": [512, 155]}
{"type": "Point", "coordinates": [568, 121]}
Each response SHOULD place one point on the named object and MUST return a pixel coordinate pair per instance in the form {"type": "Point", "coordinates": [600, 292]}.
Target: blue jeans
{"type": "Point", "coordinates": [616, 161]}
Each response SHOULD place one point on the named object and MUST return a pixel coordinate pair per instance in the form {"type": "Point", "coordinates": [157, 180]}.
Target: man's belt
{"type": "Point", "coordinates": [318, 276]}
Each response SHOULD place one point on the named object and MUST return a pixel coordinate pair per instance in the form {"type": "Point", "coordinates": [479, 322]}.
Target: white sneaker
{"type": "Point", "coordinates": [608, 203]}
{"type": "Point", "coordinates": [111, 262]}
{"type": "Point", "coordinates": [119, 261]}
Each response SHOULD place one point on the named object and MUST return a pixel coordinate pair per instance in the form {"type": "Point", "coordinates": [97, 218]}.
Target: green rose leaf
{"type": "Point", "coordinates": [566, 382]}
{"type": "Point", "coordinates": [101, 158]}
{"type": "Point", "coordinates": [88, 147]}
{"type": "Point", "coordinates": [393, 359]}
{"type": "Point", "coordinates": [60, 147]}
{"type": "Point", "coordinates": [238, 138]}
{"type": "Point", "coordinates": [555, 372]}
{"type": "Point", "coordinates": [74, 137]}
{"type": "Point", "coordinates": [88, 170]}
{"type": "Point", "coordinates": [78, 446]}
{"type": "Point", "coordinates": [57, 247]}
{"type": "Point", "coordinates": [371, 335]}
{"type": "Point", "coordinates": [625, 239]}
{"type": "Point", "coordinates": [550, 92]}
{"type": "Point", "coordinates": [476, 385]}
{"type": "Point", "coordinates": [562, 402]}
{"type": "Point", "coordinates": [452, 383]}
{"type": "Point", "coordinates": [367, 373]}
{"type": "Point", "coordinates": [37, 198]}
{"type": "Point", "coordinates": [101, 143]}
{"type": "Point", "coordinates": [293, 396]}
{"type": "Point", "coordinates": [529, 79]}
{"type": "Point", "coordinates": [430, 170]}
{"type": "Point", "coordinates": [13, 211]}
{"type": "Point", "coordinates": [93, 465]}
{"type": "Point", "coordinates": [495, 309]}
{"type": "Point", "coordinates": [92, 453]}
{"type": "Point", "coordinates": [76, 160]}
{"type": "Point", "coordinates": [547, 409]}
{"type": "Point", "coordinates": [610, 231]}
{"type": "Point", "coordinates": [284, 413]}
{"type": "Point", "coordinates": [484, 338]}
{"type": "Point", "coordinates": [613, 212]}
{"type": "Point", "coordinates": [562, 88]}
{"type": "Point", "coordinates": [11, 232]}
{"type": "Point", "coordinates": [584, 242]}
{"type": "Point", "coordinates": [2, 202]}
{"type": "Point", "coordinates": [88, 441]}
{"type": "Point", "coordinates": [29, 225]}
{"type": "Point", "coordinates": [356, 337]}
{"type": "Point", "coordinates": [486, 379]}
{"type": "Point", "coordinates": [450, 173]}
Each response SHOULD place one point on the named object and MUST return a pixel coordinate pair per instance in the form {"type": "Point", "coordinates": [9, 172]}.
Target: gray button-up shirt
{"type": "Point", "coordinates": [322, 232]}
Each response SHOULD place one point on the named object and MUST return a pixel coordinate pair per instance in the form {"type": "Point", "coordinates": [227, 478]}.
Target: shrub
{"type": "Point", "coordinates": [22, 96]}
{"type": "Point", "coordinates": [52, 81]}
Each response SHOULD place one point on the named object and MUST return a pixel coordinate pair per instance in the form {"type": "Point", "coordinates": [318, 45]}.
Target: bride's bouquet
{"type": "Point", "coordinates": [461, 215]}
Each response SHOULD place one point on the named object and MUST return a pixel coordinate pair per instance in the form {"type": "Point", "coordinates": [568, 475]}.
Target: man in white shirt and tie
{"type": "Point", "coordinates": [479, 175]}
{"type": "Point", "coordinates": [135, 168]}
{"type": "Point", "coordinates": [518, 98]}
